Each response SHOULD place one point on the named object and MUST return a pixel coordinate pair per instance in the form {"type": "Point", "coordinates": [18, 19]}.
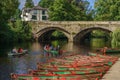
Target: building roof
{"type": "Point", "coordinates": [27, 9]}
{"type": "Point", "coordinates": [34, 8]}
{"type": "Point", "coordinates": [39, 8]}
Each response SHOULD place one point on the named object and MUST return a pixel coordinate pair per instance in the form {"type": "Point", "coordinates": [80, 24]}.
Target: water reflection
{"type": "Point", "coordinates": [68, 46]}
{"type": "Point", "coordinates": [98, 43]}
{"type": "Point", "coordinates": [36, 46]}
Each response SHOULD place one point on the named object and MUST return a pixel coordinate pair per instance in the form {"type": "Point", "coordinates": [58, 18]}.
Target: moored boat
{"type": "Point", "coordinates": [55, 77]}
{"type": "Point", "coordinates": [113, 51]}
{"type": "Point", "coordinates": [74, 67]}
{"type": "Point", "coordinates": [77, 71]}
{"type": "Point", "coordinates": [109, 50]}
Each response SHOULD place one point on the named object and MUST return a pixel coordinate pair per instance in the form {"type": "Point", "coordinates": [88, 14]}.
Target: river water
{"type": "Point", "coordinates": [21, 65]}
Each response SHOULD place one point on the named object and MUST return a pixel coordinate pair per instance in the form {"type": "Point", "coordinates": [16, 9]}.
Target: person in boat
{"type": "Point", "coordinates": [20, 50]}
{"type": "Point", "coordinates": [55, 51]}
{"type": "Point", "coordinates": [104, 50]}
{"type": "Point", "coordinates": [51, 49]}
{"type": "Point", "coordinates": [58, 49]}
{"type": "Point", "coordinates": [13, 76]}
{"type": "Point", "coordinates": [14, 50]}
{"type": "Point", "coordinates": [46, 50]}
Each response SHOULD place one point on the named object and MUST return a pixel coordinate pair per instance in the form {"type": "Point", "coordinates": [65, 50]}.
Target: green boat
{"type": "Point", "coordinates": [94, 64]}
{"type": "Point", "coordinates": [112, 51]}
{"type": "Point", "coordinates": [67, 72]}
{"type": "Point", "coordinates": [55, 77]}
{"type": "Point", "coordinates": [52, 52]}
{"type": "Point", "coordinates": [109, 50]}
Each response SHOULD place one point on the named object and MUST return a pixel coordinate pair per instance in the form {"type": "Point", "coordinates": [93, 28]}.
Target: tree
{"type": "Point", "coordinates": [22, 31]}
{"type": "Point", "coordinates": [29, 4]}
{"type": "Point", "coordinates": [82, 8]}
{"type": "Point", "coordinates": [61, 11]}
{"type": "Point", "coordinates": [46, 3]}
{"type": "Point", "coordinates": [116, 38]}
{"type": "Point", "coordinates": [17, 14]}
{"type": "Point", "coordinates": [8, 9]}
{"type": "Point", "coordinates": [69, 10]}
{"type": "Point", "coordinates": [108, 10]}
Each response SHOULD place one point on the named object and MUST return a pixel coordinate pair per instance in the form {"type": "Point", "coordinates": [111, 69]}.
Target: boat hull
{"type": "Point", "coordinates": [18, 54]}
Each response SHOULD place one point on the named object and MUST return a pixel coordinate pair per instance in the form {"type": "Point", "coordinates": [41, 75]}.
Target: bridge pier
{"type": "Point", "coordinates": [70, 39]}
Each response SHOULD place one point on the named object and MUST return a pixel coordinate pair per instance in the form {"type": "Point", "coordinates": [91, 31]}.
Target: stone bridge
{"type": "Point", "coordinates": [73, 30]}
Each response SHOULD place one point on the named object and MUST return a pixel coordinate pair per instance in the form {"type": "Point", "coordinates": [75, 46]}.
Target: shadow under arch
{"type": "Point", "coordinates": [44, 31]}
{"type": "Point", "coordinates": [81, 34]}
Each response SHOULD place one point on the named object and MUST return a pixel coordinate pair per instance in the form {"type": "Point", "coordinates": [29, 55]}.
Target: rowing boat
{"type": "Point", "coordinates": [109, 50]}
{"type": "Point", "coordinates": [56, 77]}
{"type": "Point", "coordinates": [74, 67]}
{"type": "Point", "coordinates": [52, 52]}
{"type": "Point", "coordinates": [77, 71]}
{"type": "Point", "coordinates": [18, 54]}
{"type": "Point", "coordinates": [77, 68]}
{"type": "Point", "coordinates": [112, 51]}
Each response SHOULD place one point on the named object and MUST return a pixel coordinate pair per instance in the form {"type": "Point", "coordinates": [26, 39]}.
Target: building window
{"type": "Point", "coordinates": [44, 18]}
{"type": "Point", "coordinates": [34, 17]}
{"type": "Point", "coordinates": [34, 11]}
{"type": "Point", "coordinates": [43, 12]}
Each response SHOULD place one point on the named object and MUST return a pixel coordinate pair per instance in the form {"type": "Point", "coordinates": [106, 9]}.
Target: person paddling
{"type": "Point", "coordinates": [14, 50]}
{"type": "Point", "coordinates": [20, 50]}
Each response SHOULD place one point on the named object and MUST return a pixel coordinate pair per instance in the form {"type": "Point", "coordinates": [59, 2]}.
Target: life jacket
{"type": "Point", "coordinates": [20, 50]}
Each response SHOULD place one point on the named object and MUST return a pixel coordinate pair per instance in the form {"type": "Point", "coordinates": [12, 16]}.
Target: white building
{"type": "Point", "coordinates": [36, 13]}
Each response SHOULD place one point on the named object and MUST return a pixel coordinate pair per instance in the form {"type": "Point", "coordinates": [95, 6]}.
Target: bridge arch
{"type": "Point", "coordinates": [89, 29]}
{"type": "Point", "coordinates": [47, 29]}
{"type": "Point", "coordinates": [72, 29]}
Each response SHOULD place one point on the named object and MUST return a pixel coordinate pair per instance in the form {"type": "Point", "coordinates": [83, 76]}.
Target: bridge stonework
{"type": "Point", "coordinates": [74, 30]}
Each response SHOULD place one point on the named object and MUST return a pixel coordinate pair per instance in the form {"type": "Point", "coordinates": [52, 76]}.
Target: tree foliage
{"type": "Point", "coordinates": [69, 10]}
{"type": "Point", "coordinates": [6, 34]}
{"type": "Point", "coordinates": [22, 31]}
{"type": "Point", "coordinates": [108, 10]}
{"type": "Point", "coordinates": [98, 33]}
{"type": "Point", "coordinates": [57, 34]}
{"type": "Point", "coordinates": [84, 11]}
{"type": "Point", "coordinates": [29, 4]}
{"type": "Point", "coordinates": [115, 38]}
{"type": "Point", "coordinates": [12, 29]}
{"type": "Point", "coordinates": [8, 9]}
{"type": "Point", "coordinates": [61, 11]}
{"type": "Point", "coordinates": [46, 3]}
{"type": "Point", "coordinates": [17, 14]}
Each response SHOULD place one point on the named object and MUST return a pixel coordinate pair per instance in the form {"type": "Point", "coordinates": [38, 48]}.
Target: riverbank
{"type": "Point", "coordinates": [113, 73]}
